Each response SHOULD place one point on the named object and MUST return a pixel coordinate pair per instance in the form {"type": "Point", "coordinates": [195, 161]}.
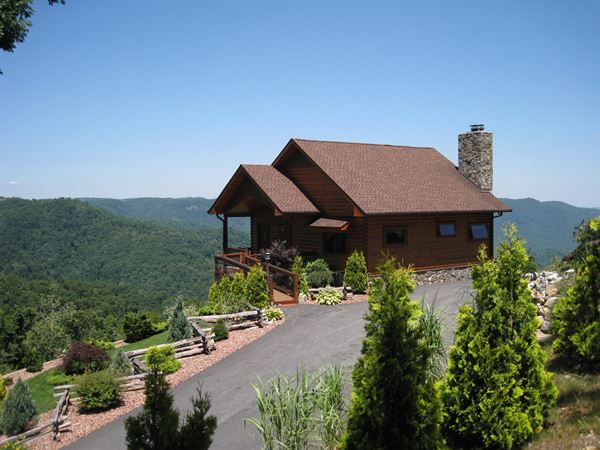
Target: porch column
{"type": "Point", "coordinates": [225, 234]}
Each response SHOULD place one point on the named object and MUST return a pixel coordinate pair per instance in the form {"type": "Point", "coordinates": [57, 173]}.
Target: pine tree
{"type": "Point", "coordinates": [196, 433]}
{"type": "Point", "coordinates": [356, 274]}
{"type": "Point", "coordinates": [298, 267]}
{"type": "Point", "coordinates": [179, 327]}
{"type": "Point", "coordinates": [394, 403]}
{"type": "Point", "coordinates": [19, 412]}
{"type": "Point", "coordinates": [257, 291]}
{"type": "Point", "coordinates": [120, 363]}
{"type": "Point", "coordinates": [497, 393]}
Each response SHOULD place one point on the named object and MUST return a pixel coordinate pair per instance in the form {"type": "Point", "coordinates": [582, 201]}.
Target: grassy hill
{"type": "Point", "coordinates": [547, 226]}
{"type": "Point", "coordinates": [70, 239]}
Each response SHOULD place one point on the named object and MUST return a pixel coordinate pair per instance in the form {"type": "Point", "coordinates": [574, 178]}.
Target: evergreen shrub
{"type": "Point", "coordinates": [137, 326]}
{"type": "Point", "coordinates": [257, 291]}
{"type": "Point", "coordinates": [318, 273]}
{"type": "Point", "coordinates": [98, 391]}
{"type": "Point", "coordinates": [497, 393]}
{"type": "Point", "coordinates": [33, 360]}
{"type": "Point", "coordinates": [120, 363]}
{"type": "Point", "coordinates": [356, 275]}
{"type": "Point", "coordinates": [83, 357]}
{"type": "Point", "coordinates": [19, 412]}
{"type": "Point", "coordinates": [179, 327]}
{"type": "Point", "coordinates": [58, 378]}
{"type": "Point", "coordinates": [220, 330]}
{"type": "Point", "coordinates": [162, 359]}
{"type": "Point", "coordinates": [298, 267]}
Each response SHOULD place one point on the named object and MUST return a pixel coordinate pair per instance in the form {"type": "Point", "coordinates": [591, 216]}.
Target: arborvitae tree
{"type": "Point", "coordinates": [576, 324]}
{"type": "Point", "coordinates": [298, 267]}
{"type": "Point", "coordinates": [179, 327]}
{"type": "Point", "coordinates": [19, 412]}
{"type": "Point", "coordinates": [120, 363]}
{"type": "Point", "coordinates": [356, 274]}
{"type": "Point", "coordinates": [157, 426]}
{"type": "Point", "coordinates": [497, 392]}
{"type": "Point", "coordinates": [394, 402]}
{"type": "Point", "coordinates": [257, 291]}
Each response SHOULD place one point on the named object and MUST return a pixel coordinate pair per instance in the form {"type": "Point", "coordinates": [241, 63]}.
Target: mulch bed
{"type": "Point", "coordinates": [356, 298]}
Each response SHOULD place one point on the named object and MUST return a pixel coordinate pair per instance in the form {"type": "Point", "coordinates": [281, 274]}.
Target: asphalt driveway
{"type": "Point", "coordinates": [312, 337]}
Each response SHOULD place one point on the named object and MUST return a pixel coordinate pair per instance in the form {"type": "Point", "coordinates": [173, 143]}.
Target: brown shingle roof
{"type": "Point", "coordinates": [384, 179]}
{"type": "Point", "coordinates": [281, 190]}
{"type": "Point", "coordinates": [324, 222]}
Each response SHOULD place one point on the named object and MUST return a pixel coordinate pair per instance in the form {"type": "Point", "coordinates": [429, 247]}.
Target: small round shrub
{"type": "Point", "coordinates": [98, 391]}
{"type": "Point", "coordinates": [137, 326]}
{"type": "Point", "coordinates": [356, 274]}
{"type": "Point", "coordinates": [220, 330]}
{"type": "Point", "coordinates": [8, 381]}
{"type": "Point", "coordinates": [120, 363]}
{"type": "Point", "coordinates": [273, 313]}
{"type": "Point", "coordinates": [19, 412]}
{"type": "Point", "coordinates": [57, 378]}
{"type": "Point", "coordinates": [100, 343]}
{"type": "Point", "coordinates": [206, 310]}
{"type": "Point", "coordinates": [318, 273]}
{"type": "Point", "coordinates": [159, 327]}
{"type": "Point", "coordinates": [162, 359]}
{"type": "Point", "coordinates": [329, 296]}
{"type": "Point", "coordinates": [33, 361]}
{"type": "Point", "coordinates": [83, 357]}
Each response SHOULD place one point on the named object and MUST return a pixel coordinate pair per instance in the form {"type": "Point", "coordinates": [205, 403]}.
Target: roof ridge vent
{"type": "Point", "coordinates": [477, 127]}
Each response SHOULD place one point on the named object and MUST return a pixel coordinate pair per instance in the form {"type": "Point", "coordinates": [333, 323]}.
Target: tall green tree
{"type": "Point", "coordinates": [576, 324]}
{"type": "Point", "coordinates": [394, 400]}
{"type": "Point", "coordinates": [497, 392]}
{"type": "Point", "coordinates": [179, 327]}
{"type": "Point", "coordinates": [19, 412]}
{"type": "Point", "coordinates": [356, 274]}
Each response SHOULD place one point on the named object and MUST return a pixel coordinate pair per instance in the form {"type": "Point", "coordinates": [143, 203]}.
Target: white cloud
{"type": "Point", "coordinates": [13, 183]}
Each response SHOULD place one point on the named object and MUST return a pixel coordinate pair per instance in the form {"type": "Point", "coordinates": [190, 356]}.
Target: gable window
{"type": "Point", "coordinates": [395, 235]}
{"type": "Point", "coordinates": [479, 231]}
{"type": "Point", "coordinates": [335, 243]}
{"type": "Point", "coordinates": [446, 229]}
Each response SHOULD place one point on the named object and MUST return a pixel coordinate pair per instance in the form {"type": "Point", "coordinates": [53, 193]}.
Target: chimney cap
{"type": "Point", "coordinates": [477, 127]}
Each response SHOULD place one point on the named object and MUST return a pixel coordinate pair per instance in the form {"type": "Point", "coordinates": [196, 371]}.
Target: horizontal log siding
{"type": "Point", "coordinates": [424, 248]}
{"type": "Point", "coordinates": [311, 180]}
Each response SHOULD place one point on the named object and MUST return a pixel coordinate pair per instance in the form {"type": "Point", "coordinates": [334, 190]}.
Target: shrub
{"type": "Point", "coordinates": [19, 412]}
{"type": "Point", "coordinates": [273, 313]}
{"type": "Point", "coordinates": [329, 296]}
{"type": "Point", "coordinates": [220, 330]}
{"type": "Point", "coordinates": [318, 273]}
{"type": "Point", "coordinates": [57, 378]}
{"type": "Point", "coordinates": [257, 291]}
{"type": "Point", "coordinates": [13, 446]}
{"type": "Point", "coordinates": [394, 401]}
{"type": "Point", "coordinates": [280, 254]}
{"type": "Point", "coordinates": [120, 363]}
{"type": "Point", "coordinates": [576, 324]}
{"type": "Point", "coordinates": [179, 327]}
{"type": "Point", "coordinates": [3, 392]}
{"type": "Point", "coordinates": [159, 327]}
{"type": "Point", "coordinates": [157, 425]}
{"type": "Point", "coordinates": [8, 381]}
{"type": "Point", "coordinates": [33, 360]}
{"type": "Point", "coordinates": [83, 357]}
{"type": "Point", "coordinates": [497, 393]}
{"type": "Point", "coordinates": [137, 326]}
{"type": "Point", "coordinates": [162, 359]}
{"type": "Point", "coordinates": [228, 295]}
{"type": "Point", "coordinates": [100, 343]}
{"type": "Point", "coordinates": [298, 267]}
{"type": "Point", "coordinates": [356, 275]}
{"type": "Point", "coordinates": [98, 391]}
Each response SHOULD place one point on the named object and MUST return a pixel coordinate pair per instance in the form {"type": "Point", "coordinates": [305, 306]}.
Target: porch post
{"type": "Point", "coordinates": [225, 234]}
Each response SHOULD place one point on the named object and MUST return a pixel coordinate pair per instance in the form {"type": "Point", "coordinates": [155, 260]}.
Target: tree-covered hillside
{"type": "Point", "coordinates": [189, 213]}
{"type": "Point", "coordinates": [70, 239]}
{"type": "Point", "coordinates": [548, 227]}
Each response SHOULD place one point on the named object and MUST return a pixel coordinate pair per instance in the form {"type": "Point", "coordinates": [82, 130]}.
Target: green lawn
{"type": "Point", "coordinates": [160, 338]}
{"type": "Point", "coordinates": [41, 391]}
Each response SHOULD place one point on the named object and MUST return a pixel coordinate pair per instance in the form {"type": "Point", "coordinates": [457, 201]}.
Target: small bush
{"type": "Point", "coordinates": [3, 392]}
{"type": "Point", "coordinates": [229, 295]}
{"type": "Point", "coordinates": [19, 412]}
{"type": "Point", "coordinates": [13, 446]}
{"type": "Point", "coordinates": [329, 296]}
{"type": "Point", "coordinates": [273, 313]}
{"type": "Point", "coordinates": [137, 326]}
{"type": "Point", "coordinates": [356, 275]}
{"type": "Point", "coordinates": [100, 343]}
{"type": "Point", "coordinates": [257, 291]}
{"type": "Point", "coordinates": [57, 378]}
{"type": "Point", "coordinates": [33, 360]}
{"type": "Point", "coordinates": [298, 267]}
{"type": "Point", "coordinates": [162, 359]}
{"type": "Point", "coordinates": [98, 391]}
{"type": "Point", "coordinates": [206, 310]}
{"type": "Point", "coordinates": [179, 327]}
{"type": "Point", "coordinates": [120, 363]}
{"type": "Point", "coordinates": [318, 273]}
{"type": "Point", "coordinates": [83, 357]}
{"type": "Point", "coordinates": [8, 381]}
{"type": "Point", "coordinates": [159, 327]}
{"type": "Point", "coordinates": [220, 330]}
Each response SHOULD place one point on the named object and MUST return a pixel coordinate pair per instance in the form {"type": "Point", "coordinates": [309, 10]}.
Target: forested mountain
{"type": "Point", "coordinates": [70, 239]}
{"type": "Point", "coordinates": [547, 226]}
{"type": "Point", "coordinates": [189, 212]}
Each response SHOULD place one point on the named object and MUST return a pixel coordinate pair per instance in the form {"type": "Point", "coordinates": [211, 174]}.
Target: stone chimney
{"type": "Point", "coordinates": [475, 157]}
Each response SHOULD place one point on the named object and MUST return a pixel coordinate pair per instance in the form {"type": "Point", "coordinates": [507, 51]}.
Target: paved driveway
{"type": "Point", "coordinates": [312, 336]}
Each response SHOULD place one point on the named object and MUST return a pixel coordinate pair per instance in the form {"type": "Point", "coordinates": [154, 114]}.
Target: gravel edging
{"type": "Point", "coordinates": [84, 424]}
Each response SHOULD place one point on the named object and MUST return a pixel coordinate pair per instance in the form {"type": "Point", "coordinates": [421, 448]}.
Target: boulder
{"type": "Point", "coordinates": [551, 302]}
{"type": "Point", "coordinates": [546, 327]}
{"type": "Point", "coordinates": [551, 290]}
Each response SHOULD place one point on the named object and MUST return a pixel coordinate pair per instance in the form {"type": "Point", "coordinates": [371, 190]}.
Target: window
{"type": "Point", "coordinates": [335, 243]}
{"type": "Point", "coordinates": [263, 236]}
{"type": "Point", "coordinates": [479, 231]}
{"type": "Point", "coordinates": [446, 229]}
{"type": "Point", "coordinates": [395, 235]}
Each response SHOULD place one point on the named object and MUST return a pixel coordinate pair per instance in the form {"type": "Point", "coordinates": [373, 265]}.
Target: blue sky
{"type": "Point", "coordinates": [165, 98]}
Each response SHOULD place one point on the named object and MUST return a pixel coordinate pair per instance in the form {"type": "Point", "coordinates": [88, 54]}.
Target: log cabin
{"type": "Point", "coordinates": [328, 199]}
